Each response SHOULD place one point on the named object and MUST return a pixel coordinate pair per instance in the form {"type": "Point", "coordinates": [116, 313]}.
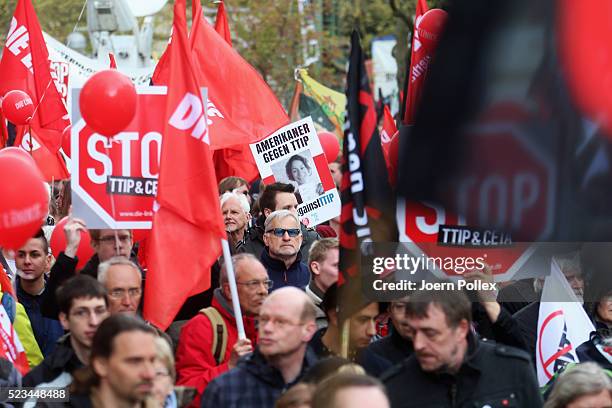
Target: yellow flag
{"type": "Point", "coordinates": [332, 103]}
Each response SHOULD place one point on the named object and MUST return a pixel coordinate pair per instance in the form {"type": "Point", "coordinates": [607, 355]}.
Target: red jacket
{"type": "Point", "coordinates": [195, 363]}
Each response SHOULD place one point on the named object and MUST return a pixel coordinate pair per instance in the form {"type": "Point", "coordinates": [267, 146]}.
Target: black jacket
{"type": "Point", "coordinates": [253, 383]}
{"type": "Point", "coordinates": [491, 375]}
{"type": "Point", "coordinates": [62, 359]}
{"type": "Point", "coordinates": [63, 269]}
{"type": "Point", "coordinates": [393, 348]}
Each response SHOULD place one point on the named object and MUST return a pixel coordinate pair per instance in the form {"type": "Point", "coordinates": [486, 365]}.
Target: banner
{"type": "Point", "coordinates": [294, 155]}
{"type": "Point", "coordinates": [114, 181]}
{"type": "Point", "coordinates": [562, 326]}
{"type": "Point", "coordinates": [11, 347]}
{"type": "Point", "coordinates": [332, 103]}
{"type": "Point", "coordinates": [384, 67]}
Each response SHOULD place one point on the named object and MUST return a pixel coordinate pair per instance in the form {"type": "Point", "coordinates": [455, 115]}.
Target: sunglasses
{"type": "Point", "coordinates": [279, 232]}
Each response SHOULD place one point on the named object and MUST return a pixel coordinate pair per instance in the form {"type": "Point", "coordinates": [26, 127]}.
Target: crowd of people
{"type": "Point", "coordinates": [82, 328]}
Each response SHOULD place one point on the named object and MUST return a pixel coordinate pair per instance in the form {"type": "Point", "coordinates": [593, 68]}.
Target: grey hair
{"type": "Point", "coordinates": [569, 262]}
{"type": "Point", "coordinates": [280, 214]}
{"type": "Point", "coordinates": [236, 259]}
{"type": "Point", "coordinates": [115, 260]}
{"type": "Point", "coordinates": [242, 200]}
{"type": "Point", "coordinates": [582, 379]}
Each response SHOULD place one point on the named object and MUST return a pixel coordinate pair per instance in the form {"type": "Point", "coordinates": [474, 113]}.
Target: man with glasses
{"type": "Point", "coordinates": [107, 243]}
{"type": "Point", "coordinates": [123, 282]}
{"type": "Point", "coordinates": [282, 257]}
{"type": "Point", "coordinates": [201, 354]}
{"type": "Point", "coordinates": [286, 325]}
{"type": "Point", "coordinates": [83, 306]}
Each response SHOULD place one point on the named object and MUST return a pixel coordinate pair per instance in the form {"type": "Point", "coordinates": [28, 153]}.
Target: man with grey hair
{"type": "Point", "coordinates": [281, 256]}
{"type": "Point", "coordinates": [581, 385]}
{"type": "Point", "coordinates": [208, 344]}
{"type": "Point", "coordinates": [286, 325]}
{"type": "Point", "coordinates": [123, 282]}
{"type": "Point", "coordinates": [235, 209]}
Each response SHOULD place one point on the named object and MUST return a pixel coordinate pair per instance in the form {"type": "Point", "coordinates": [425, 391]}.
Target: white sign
{"type": "Point", "coordinates": [293, 155]}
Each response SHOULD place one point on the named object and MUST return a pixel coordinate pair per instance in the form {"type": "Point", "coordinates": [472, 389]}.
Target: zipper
{"type": "Point", "coordinates": [453, 394]}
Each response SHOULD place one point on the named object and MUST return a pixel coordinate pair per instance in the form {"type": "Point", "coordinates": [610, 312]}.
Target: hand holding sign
{"type": "Point", "coordinates": [71, 236]}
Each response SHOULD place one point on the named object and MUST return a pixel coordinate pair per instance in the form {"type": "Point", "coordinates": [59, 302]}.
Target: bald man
{"type": "Point", "coordinates": [286, 325]}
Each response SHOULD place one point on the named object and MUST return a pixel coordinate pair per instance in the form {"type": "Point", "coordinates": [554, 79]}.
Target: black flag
{"type": "Point", "coordinates": [368, 204]}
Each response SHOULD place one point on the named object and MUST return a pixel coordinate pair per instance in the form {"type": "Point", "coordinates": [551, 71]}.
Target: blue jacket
{"type": "Point", "coordinates": [296, 275]}
{"type": "Point", "coordinates": [46, 331]}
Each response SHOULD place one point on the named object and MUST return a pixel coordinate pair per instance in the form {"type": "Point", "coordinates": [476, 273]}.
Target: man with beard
{"type": "Point", "coordinates": [235, 209]}
{"type": "Point", "coordinates": [286, 324]}
{"type": "Point", "coordinates": [451, 367]}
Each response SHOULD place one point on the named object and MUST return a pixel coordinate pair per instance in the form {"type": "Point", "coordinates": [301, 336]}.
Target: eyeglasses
{"type": "Point", "coordinates": [280, 232]}
{"type": "Point", "coordinates": [120, 293]}
{"type": "Point", "coordinates": [111, 239]}
{"type": "Point", "coordinates": [254, 284]}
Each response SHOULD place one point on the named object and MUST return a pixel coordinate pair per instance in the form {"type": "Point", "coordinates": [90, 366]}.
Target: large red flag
{"type": "Point", "coordinates": [419, 60]}
{"type": "Point", "coordinates": [237, 161]}
{"type": "Point", "coordinates": [187, 227]}
{"type": "Point", "coordinates": [51, 165]}
{"type": "Point", "coordinates": [221, 24]}
{"type": "Point", "coordinates": [25, 66]}
{"type": "Point", "coordinates": [241, 107]}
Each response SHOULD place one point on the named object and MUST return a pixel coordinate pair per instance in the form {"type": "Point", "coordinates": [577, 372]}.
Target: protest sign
{"type": "Point", "coordinates": [293, 155]}
{"type": "Point", "coordinates": [114, 180]}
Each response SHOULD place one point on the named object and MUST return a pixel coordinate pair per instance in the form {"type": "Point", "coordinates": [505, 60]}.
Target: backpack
{"type": "Point", "coordinates": [219, 343]}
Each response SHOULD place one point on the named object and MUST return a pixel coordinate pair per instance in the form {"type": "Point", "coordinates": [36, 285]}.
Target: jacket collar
{"type": "Point", "coordinates": [277, 264]}
{"type": "Point", "coordinates": [257, 365]}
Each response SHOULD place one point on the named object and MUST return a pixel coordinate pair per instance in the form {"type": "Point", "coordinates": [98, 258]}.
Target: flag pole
{"type": "Point", "coordinates": [231, 277]}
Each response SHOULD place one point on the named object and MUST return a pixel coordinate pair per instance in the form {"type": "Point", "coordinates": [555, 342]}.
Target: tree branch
{"type": "Point", "coordinates": [400, 14]}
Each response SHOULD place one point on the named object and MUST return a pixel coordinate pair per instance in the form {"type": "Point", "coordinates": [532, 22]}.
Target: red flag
{"type": "Point", "coordinates": [388, 131]}
{"type": "Point", "coordinates": [25, 66]}
{"type": "Point", "coordinates": [236, 161]}
{"type": "Point", "coordinates": [113, 63]}
{"type": "Point", "coordinates": [241, 108]}
{"type": "Point", "coordinates": [188, 219]}
{"type": "Point", "coordinates": [51, 165]}
{"type": "Point", "coordinates": [221, 24]}
{"type": "Point", "coordinates": [419, 60]}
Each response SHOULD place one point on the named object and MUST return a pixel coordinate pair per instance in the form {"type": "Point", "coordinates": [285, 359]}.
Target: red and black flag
{"type": "Point", "coordinates": [368, 205]}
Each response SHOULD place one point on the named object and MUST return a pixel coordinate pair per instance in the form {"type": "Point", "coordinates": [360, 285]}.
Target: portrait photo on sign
{"type": "Point", "coordinates": [300, 171]}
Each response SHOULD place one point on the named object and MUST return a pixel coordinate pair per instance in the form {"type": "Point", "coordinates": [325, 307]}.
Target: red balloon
{"type": "Point", "coordinates": [430, 28]}
{"type": "Point", "coordinates": [586, 56]}
{"type": "Point", "coordinates": [330, 145]}
{"type": "Point", "coordinates": [24, 202]}
{"type": "Point", "coordinates": [17, 152]}
{"type": "Point", "coordinates": [66, 140]}
{"type": "Point", "coordinates": [18, 107]}
{"type": "Point", "coordinates": [108, 102]}
{"type": "Point", "coordinates": [58, 243]}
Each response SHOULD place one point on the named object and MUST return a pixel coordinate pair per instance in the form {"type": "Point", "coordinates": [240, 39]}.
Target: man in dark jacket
{"type": "Point", "coordinates": [32, 261]}
{"type": "Point", "coordinates": [107, 243]}
{"type": "Point", "coordinates": [451, 367]}
{"type": "Point", "coordinates": [276, 196]}
{"type": "Point", "coordinates": [397, 346]}
{"type": "Point", "coordinates": [83, 306]}
{"type": "Point", "coordinates": [286, 324]}
{"type": "Point", "coordinates": [281, 256]}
